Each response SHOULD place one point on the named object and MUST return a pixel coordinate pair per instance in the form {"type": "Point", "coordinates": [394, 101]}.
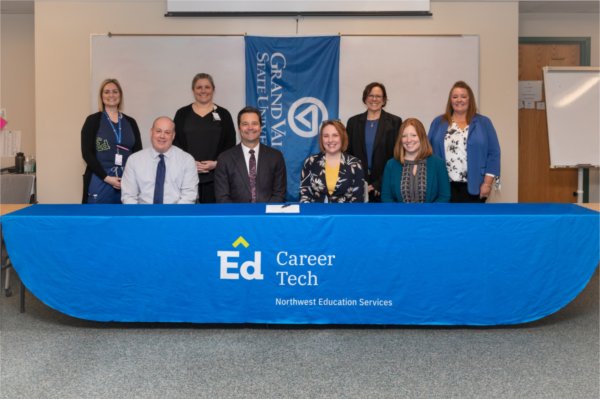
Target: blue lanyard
{"type": "Point", "coordinates": [118, 135]}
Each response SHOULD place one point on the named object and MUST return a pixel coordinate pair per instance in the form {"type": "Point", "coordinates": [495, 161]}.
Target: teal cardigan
{"type": "Point", "coordinates": [438, 183]}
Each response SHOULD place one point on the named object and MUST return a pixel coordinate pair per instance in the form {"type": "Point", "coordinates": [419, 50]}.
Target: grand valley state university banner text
{"type": "Point", "coordinates": [295, 83]}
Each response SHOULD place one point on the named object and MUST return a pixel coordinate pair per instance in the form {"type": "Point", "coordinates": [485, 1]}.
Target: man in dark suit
{"type": "Point", "coordinates": [250, 171]}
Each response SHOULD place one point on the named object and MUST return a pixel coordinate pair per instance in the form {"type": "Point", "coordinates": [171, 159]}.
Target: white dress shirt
{"type": "Point", "coordinates": [181, 179]}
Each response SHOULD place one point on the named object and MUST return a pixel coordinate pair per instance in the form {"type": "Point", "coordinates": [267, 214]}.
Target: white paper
{"type": "Point", "coordinates": [530, 90]}
{"type": "Point", "coordinates": [282, 208]}
{"type": "Point", "coordinates": [10, 142]}
{"type": "Point", "coordinates": [529, 104]}
{"type": "Point", "coordinates": [541, 105]}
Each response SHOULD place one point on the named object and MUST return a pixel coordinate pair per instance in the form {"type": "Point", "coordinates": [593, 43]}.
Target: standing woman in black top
{"type": "Point", "coordinates": [372, 136]}
{"type": "Point", "coordinates": [204, 130]}
{"type": "Point", "coordinates": [108, 138]}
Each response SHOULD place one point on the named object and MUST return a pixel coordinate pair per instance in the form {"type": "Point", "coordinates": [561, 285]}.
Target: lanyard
{"type": "Point", "coordinates": [118, 134]}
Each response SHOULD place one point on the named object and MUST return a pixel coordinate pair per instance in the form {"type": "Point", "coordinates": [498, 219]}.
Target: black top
{"type": "Point", "coordinates": [383, 147]}
{"type": "Point", "coordinates": [204, 137]}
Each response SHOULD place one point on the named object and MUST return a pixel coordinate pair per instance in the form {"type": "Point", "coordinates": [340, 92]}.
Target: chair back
{"type": "Point", "coordinates": [17, 189]}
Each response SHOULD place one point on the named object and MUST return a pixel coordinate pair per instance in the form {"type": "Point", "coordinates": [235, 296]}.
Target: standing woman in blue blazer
{"type": "Point", "coordinates": [468, 144]}
{"type": "Point", "coordinates": [414, 174]}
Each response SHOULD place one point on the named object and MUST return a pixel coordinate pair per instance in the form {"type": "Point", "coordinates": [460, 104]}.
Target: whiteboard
{"type": "Point", "coordinates": [417, 71]}
{"type": "Point", "coordinates": [572, 109]}
{"type": "Point", "coordinates": [156, 72]}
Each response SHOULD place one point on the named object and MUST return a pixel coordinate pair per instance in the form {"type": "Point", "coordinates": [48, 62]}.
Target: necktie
{"type": "Point", "coordinates": [159, 184]}
{"type": "Point", "coordinates": [252, 175]}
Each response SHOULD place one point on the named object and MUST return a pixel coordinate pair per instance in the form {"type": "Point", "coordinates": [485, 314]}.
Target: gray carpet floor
{"type": "Point", "coordinates": [45, 354]}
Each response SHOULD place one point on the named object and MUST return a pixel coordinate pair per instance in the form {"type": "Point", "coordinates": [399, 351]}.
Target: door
{"type": "Point", "coordinates": [537, 181]}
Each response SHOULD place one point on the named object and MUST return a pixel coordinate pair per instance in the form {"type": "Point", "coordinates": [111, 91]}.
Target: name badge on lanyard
{"type": "Point", "coordinates": [119, 156]}
{"type": "Point", "coordinates": [118, 136]}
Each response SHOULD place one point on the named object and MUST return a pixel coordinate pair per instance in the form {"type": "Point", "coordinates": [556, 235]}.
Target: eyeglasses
{"type": "Point", "coordinates": [374, 97]}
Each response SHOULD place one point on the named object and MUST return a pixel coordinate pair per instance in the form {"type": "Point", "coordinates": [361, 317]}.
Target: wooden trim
{"type": "Point", "coordinates": [585, 45]}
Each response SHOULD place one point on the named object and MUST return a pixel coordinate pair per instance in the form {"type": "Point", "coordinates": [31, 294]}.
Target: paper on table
{"type": "Point", "coordinates": [282, 208]}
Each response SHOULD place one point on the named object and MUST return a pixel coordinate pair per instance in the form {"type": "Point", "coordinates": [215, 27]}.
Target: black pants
{"type": "Point", "coordinates": [206, 193]}
{"type": "Point", "coordinates": [460, 193]}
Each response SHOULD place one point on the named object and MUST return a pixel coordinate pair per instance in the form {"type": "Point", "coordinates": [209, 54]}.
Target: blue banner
{"type": "Point", "coordinates": [294, 81]}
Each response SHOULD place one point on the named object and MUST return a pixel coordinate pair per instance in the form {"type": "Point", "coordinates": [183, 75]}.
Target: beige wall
{"type": "Point", "coordinates": [568, 25]}
{"type": "Point", "coordinates": [17, 93]}
{"type": "Point", "coordinates": [63, 61]}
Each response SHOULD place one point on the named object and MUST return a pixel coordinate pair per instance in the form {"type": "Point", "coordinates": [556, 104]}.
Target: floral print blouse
{"type": "Point", "coordinates": [455, 144]}
{"type": "Point", "coordinates": [350, 186]}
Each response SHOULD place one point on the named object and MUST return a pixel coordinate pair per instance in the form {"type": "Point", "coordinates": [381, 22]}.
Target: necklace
{"type": "Point", "coordinates": [373, 122]}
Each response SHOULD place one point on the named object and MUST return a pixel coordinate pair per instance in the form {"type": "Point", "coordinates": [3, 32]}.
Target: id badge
{"type": "Point", "coordinates": [216, 116]}
{"type": "Point", "coordinates": [119, 159]}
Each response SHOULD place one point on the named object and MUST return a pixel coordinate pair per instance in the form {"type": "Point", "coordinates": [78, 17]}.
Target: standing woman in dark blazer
{"type": "Point", "coordinates": [108, 138]}
{"type": "Point", "coordinates": [204, 130]}
{"type": "Point", "coordinates": [372, 136]}
{"type": "Point", "coordinates": [332, 175]}
{"type": "Point", "coordinates": [468, 144]}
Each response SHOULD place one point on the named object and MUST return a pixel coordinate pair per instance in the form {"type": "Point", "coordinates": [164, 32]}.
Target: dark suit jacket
{"type": "Point", "coordinates": [383, 147]}
{"type": "Point", "coordinates": [231, 176]}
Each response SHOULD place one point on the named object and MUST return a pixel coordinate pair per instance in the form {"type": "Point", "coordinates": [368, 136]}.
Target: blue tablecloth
{"type": "Point", "coordinates": [431, 264]}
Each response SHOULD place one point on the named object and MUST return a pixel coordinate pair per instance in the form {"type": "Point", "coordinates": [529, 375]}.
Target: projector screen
{"type": "Point", "coordinates": [295, 6]}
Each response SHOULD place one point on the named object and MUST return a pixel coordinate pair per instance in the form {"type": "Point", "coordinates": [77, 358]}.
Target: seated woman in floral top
{"type": "Point", "coordinates": [414, 174]}
{"type": "Point", "coordinates": [331, 175]}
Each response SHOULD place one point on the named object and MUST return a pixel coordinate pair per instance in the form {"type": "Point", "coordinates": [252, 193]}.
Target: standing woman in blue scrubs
{"type": "Point", "coordinates": [108, 137]}
{"type": "Point", "coordinates": [372, 136]}
{"type": "Point", "coordinates": [468, 144]}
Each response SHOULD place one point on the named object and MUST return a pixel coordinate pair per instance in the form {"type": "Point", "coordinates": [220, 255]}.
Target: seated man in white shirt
{"type": "Point", "coordinates": [163, 174]}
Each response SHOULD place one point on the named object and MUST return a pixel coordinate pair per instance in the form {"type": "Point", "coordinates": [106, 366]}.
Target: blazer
{"type": "Point", "coordinates": [438, 183]}
{"type": "Point", "coordinates": [383, 147]}
{"type": "Point", "coordinates": [231, 176]}
{"type": "Point", "coordinates": [483, 149]}
{"type": "Point", "coordinates": [88, 148]}
{"type": "Point", "coordinates": [350, 186]}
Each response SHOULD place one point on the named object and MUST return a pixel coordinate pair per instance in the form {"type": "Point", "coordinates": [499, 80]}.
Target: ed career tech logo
{"type": "Point", "coordinates": [232, 270]}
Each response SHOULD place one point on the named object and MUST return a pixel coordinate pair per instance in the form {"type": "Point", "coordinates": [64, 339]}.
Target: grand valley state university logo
{"type": "Point", "coordinates": [308, 112]}
{"type": "Point", "coordinates": [232, 270]}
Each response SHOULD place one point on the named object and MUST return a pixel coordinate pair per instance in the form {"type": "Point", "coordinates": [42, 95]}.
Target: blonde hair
{"type": "Point", "coordinates": [102, 85]}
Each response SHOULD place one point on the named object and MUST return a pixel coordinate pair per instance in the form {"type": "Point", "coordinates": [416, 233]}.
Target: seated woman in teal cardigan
{"type": "Point", "coordinates": [414, 174]}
